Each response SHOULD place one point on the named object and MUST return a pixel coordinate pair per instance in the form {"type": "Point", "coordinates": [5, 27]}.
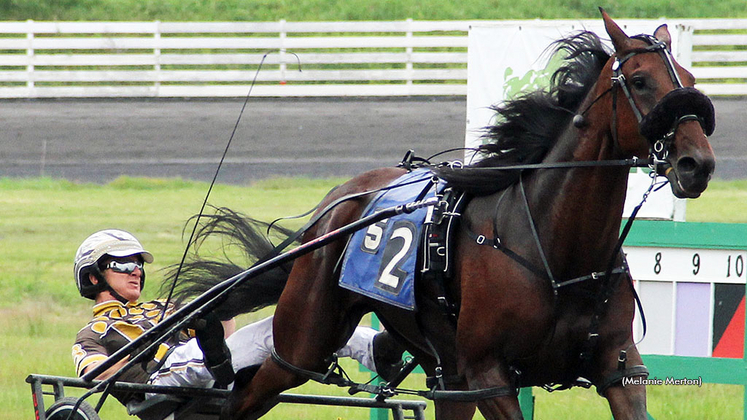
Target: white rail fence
{"type": "Point", "coordinates": [220, 59]}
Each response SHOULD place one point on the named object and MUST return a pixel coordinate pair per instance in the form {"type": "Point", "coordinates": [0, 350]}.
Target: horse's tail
{"type": "Point", "coordinates": [236, 236]}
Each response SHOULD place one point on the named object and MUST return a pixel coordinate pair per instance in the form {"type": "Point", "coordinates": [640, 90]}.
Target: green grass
{"type": "Point", "coordinates": [42, 222]}
{"type": "Point", "coordinates": [334, 10]}
{"type": "Point", "coordinates": [723, 202]}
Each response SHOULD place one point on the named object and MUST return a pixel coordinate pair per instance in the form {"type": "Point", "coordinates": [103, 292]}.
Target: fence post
{"type": "Point", "coordinates": [157, 57]}
{"type": "Point", "coordinates": [684, 47]}
{"type": "Point", "coordinates": [30, 57]}
{"type": "Point", "coordinates": [281, 54]}
{"type": "Point", "coordinates": [408, 52]}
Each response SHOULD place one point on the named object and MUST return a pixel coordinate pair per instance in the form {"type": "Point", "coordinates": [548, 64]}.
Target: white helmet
{"type": "Point", "coordinates": [113, 242]}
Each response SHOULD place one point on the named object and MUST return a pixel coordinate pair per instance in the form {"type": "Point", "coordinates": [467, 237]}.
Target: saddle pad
{"type": "Point", "coordinates": [380, 259]}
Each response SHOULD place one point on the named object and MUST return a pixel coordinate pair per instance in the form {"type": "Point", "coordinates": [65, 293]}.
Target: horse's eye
{"type": "Point", "coordinates": [638, 82]}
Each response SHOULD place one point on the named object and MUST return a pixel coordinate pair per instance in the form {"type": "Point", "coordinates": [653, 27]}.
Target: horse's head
{"type": "Point", "coordinates": [656, 111]}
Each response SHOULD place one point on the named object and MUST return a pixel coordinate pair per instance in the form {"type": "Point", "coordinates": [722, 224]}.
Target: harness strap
{"type": "Point", "coordinates": [329, 378]}
{"type": "Point", "coordinates": [437, 244]}
{"type": "Point", "coordinates": [660, 148]}
{"type": "Point", "coordinates": [333, 378]}
{"type": "Point", "coordinates": [617, 376]}
{"type": "Point", "coordinates": [620, 80]}
{"type": "Point", "coordinates": [535, 235]}
{"type": "Point", "coordinates": [439, 381]}
{"type": "Point", "coordinates": [496, 243]}
{"type": "Point", "coordinates": [473, 395]}
{"type": "Point", "coordinates": [605, 292]}
{"type": "Point", "coordinates": [593, 276]}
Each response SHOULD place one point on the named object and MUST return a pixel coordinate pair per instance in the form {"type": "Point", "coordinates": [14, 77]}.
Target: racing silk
{"type": "Point", "coordinates": [113, 326]}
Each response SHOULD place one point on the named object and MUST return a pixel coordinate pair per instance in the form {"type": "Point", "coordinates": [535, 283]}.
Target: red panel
{"type": "Point", "coordinates": [732, 342]}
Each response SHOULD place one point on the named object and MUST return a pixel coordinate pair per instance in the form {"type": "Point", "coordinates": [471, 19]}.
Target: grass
{"type": "Point", "coordinates": [334, 10]}
{"type": "Point", "coordinates": [42, 221]}
{"type": "Point", "coordinates": [723, 202]}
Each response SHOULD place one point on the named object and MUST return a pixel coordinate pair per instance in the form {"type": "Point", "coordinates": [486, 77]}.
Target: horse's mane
{"type": "Point", "coordinates": [530, 124]}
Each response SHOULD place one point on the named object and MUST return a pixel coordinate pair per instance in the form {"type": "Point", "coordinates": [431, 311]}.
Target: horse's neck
{"type": "Point", "coordinates": [578, 211]}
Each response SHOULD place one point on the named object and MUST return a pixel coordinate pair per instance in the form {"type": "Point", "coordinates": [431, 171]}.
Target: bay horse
{"type": "Point", "coordinates": [523, 315]}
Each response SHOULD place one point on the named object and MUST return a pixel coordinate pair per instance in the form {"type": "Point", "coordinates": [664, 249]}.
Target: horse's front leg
{"type": "Point", "coordinates": [626, 398]}
{"type": "Point", "coordinates": [453, 410]}
{"type": "Point", "coordinates": [491, 374]}
{"type": "Point", "coordinates": [627, 402]}
{"type": "Point", "coordinates": [618, 359]}
{"type": "Point", "coordinates": [448, 409]}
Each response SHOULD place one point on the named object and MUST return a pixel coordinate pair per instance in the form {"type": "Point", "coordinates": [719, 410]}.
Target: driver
{"type": "Point", "coordinates": [109, 269]}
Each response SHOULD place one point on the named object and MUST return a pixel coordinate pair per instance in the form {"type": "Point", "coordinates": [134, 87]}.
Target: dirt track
{"type": "Point", "coordinates": [100, 140]}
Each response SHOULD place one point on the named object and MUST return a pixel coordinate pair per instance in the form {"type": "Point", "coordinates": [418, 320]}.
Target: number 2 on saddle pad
{"type": "Point", "coordinates": [399, 246]}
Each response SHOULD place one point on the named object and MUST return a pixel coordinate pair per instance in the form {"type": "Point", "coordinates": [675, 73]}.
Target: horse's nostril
{"type": "Point", "coordinates": [687, 165]}
{"type": "Point", "coordinates": [695, 167]}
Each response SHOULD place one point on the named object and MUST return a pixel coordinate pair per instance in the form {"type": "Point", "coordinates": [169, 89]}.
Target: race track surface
{"type": "Point", "coordinates": [99, 140]}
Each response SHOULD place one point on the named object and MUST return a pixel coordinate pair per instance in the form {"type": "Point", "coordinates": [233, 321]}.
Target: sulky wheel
{"type": "Point", "coordinates": [61, 409]}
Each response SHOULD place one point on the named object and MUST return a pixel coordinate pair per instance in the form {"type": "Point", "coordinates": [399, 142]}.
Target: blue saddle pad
{"type": "Point", "coordinates": [380, 260]}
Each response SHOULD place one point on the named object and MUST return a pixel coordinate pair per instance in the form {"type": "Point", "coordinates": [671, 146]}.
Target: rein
{"type": "Point", "coordinates": [633, 162]}
{"type": "Point", "coordinates": [407, 164]}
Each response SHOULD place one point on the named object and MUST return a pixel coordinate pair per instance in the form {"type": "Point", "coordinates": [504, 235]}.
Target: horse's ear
{"type": "Point", "coordinates": [662, 34]}
{"type": "Point", "coordinates": [619, 39]}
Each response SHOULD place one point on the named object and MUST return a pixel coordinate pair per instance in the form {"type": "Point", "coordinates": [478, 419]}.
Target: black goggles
{"type": "Point", "coordinates": [124, 267]}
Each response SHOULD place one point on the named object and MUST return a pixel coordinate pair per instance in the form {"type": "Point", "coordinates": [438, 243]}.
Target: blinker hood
{"type": "Point", "coordinates": [673, 106]}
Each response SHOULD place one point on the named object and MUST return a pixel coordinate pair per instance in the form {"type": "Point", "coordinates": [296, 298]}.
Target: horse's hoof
{"type": "Point", "coordinates": [387, 354]}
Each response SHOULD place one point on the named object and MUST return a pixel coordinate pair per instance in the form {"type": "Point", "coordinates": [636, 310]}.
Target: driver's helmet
{"type": "Point", "coordinates": [113, 242]}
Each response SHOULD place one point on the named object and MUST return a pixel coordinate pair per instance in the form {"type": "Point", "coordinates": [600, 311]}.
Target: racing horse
{"type": "Point", "coordinates": [539, 291]}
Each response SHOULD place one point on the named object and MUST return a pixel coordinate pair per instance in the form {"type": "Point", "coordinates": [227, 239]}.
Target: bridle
{"type": "Point", "coordinates": [660, 143]}
{"type": "Point", "coordinates": [658, 148]}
